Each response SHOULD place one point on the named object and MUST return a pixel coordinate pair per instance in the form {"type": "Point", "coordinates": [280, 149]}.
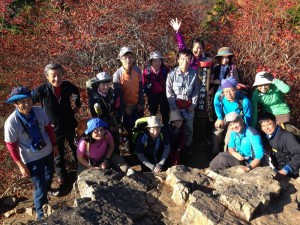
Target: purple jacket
{"type": "Point", "coordinates": [181, 45]}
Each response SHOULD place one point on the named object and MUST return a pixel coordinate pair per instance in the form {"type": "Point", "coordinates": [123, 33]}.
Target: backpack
{"type": "Point", "coordinates": [148, 84]}
{"type": "Point", "coordinates": [139, 129]}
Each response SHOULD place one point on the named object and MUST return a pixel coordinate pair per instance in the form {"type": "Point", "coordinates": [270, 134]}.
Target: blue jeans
{"type": "Point", "coordinates": [41, 172]}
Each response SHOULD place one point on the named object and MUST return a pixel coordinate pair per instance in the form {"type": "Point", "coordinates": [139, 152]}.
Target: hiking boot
{"type": "Point", "coordinates": [47, 209]}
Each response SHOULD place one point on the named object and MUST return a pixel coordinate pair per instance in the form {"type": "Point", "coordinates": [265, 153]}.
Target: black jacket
{"type": "Point", "coordinates": [60, 113]}
{"type": "Point", "coordinates": [285, 150]}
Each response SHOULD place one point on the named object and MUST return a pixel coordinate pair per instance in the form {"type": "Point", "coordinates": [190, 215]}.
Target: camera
{"type": "Point", "coordinates": [39, 145]}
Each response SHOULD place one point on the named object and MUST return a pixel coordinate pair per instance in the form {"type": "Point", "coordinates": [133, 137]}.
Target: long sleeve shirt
{"type": "Point", "coordinates": [272, 101]}
{"type": "Point", "coordinates": [240, 105]}
{"type": "Point", "coordinates": [182, 86]}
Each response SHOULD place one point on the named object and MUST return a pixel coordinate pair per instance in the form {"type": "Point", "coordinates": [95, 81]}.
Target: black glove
{"type": "Point", "coordinates": [268, 76]}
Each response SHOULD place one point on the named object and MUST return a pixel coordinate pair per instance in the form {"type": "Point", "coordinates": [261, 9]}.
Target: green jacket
{"type": "Point", "coordinates": [273, 101]}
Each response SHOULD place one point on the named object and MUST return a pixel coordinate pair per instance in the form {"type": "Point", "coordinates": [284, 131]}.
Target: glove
{"type": "Point", "coordinates": [268, 76]}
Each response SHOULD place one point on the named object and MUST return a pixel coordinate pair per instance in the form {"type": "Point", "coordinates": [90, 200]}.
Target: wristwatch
{"type": "Point", "coordinates": [250, 167]}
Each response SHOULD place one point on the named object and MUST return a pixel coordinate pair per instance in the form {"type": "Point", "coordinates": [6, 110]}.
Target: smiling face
{"type": "Point", "coordinates": [127, 61]}
{"type": "Point", "coordinates": [24, 105]}
{"type": "Point", "coordinates": [184, 62]}
{"type": "Point", "coordinates": [264, 88]}
{"type": "Point", "coordinates": [154, 131]}
{"type": "Point", "coordinates": [197, 49]}
{"type": "Point", "coordinates": [97, 133]}
{"type": "Point", "coordinates": [268, 126]}
{"type": "Point", "coordinates": [104, 87]}
{"type": "Point", "coordinates": [55, 77]}
{"type": "Point", "coordinates": [230, 93]}
{"type": "Point", "coordinates": [238, 125]}
{"type": "Point", "coordinates": [156, 64]}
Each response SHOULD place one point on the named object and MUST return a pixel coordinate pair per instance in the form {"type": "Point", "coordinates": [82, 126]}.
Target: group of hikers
{"type": "Point", "coordinates": [246, 132]}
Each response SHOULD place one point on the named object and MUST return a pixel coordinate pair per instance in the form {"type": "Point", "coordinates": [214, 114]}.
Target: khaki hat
{"type": "Point", "coordinates": [232, 116]}
{"type": "Point", "coordinates": [153, 121]}
{"type": "Point", "coordinates": [175, 115]}
{"type": "Point", "coordinates": [124, 50]}
{"type": "Point", "coordinates": [156, 55]}
{"type": "Point", "coordinates": [224, 51]}
{"type": "Point", "coordinates": [261, 80]}
{"type": "Point", "coordinates": [103, 77]}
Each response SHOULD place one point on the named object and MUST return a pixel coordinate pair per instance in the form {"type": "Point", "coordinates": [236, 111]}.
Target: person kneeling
{"type": "Point", "coordinates": [285, 154]}
{"type": "Point", "coordinates": [153, 147]}
{"type": "Point", "coordinates": [95, 149]}
{"type": "Point", "coordinates": [244, 148]}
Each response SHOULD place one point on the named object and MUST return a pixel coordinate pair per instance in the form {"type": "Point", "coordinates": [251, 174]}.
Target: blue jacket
{"type": "Point", "coordinates": [223, 106]}
{"type": "Point", "coordinates": [248, 144]}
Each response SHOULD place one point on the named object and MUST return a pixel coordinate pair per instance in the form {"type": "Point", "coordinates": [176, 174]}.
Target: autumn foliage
{"type": "Point", "coordinates": [85, 37]}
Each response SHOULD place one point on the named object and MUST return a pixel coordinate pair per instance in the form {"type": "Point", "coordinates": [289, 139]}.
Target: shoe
{"type": "Point", "coordinates": [53, 193]}
{"type": "Point", "coordinates": [47, 209]}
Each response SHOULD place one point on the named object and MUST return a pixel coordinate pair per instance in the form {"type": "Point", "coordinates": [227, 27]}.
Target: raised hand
{"type": "Point", "coordinates": [175, 24]}
{"type": "Point", "coordinates": [268, 76]}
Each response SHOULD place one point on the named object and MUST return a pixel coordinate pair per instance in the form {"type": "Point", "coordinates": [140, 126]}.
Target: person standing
{"type": "Point", "coordinates": [182, 88]}
{"type": "Point", "coordinates": [55, 97]}
{"type": "Point", "coordinates": [127, 81]}
{"type": "Point", "coordinates": [30, 139]}
{"type": "Point", "coordinates": [154, 82]}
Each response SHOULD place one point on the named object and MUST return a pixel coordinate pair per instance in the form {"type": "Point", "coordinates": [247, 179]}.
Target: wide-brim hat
{"type": "Point", "coordinates": [175, 115]}
{"type": "Point", "coordinates": [18, 94]}
{"type": "Point", "coordinates": [124, 50]}
{"type": "Point", "coordinates": [232, 116]}
{"type": "Point", "coordinates": [103, 77]}
{"type": "Point", "coordinates": [94, 123]}
{"type": "Point", "coordinates": [224, 51]}
{"type": "Point", "coordinates": [153, 121]}
{"type": "Point", "coordinates": [261, 80]}
{"type": "Point", "coordinates": [156, 55]}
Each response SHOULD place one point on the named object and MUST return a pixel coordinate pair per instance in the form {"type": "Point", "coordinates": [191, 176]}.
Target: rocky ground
{"type": "Point", "coordinates": [281, 210]}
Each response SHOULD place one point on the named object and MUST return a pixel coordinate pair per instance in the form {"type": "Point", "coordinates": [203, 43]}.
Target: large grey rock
{"type": "Point", "coordinates": [245, 193]}
{"type": "Point", "coordinates": [207, 211]}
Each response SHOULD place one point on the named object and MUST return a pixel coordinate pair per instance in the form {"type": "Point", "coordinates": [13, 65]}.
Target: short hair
{"type": "Point", "coordinates": [53, 66]}
{"type": "Point", "coordinates": [266, 116]}
{"type": "Point", "coordinates": [185, 51]}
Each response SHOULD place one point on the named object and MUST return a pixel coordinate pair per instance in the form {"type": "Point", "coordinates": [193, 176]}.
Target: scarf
{"type": "Point", "coordinates": [31, 127]}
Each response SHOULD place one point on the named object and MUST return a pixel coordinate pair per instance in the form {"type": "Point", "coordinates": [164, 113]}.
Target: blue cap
{"type": "Point", "coordinates": [18, 94]}
{"type": "Point", "coordinates": [94, 123]}
{"type": "Point", "coordinates": [228, 83]}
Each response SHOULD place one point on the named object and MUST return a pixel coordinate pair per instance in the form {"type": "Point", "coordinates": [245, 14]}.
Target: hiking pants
{"type": "Point", "coordinates": [223, 161]}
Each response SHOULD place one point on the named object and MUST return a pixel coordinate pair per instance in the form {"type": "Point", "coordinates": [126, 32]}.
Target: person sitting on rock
{"type": "Point", "coordinates": [96, 148]}
{"type": "Point", "coordinates": [244, 148]}
{"type": "Point", "coordinates": [227, 100]}
{"type": "Point", "coordinates": [154, 82]}
{"type": "Point", "coordinates": [285, 154]}
{"type": "Point", "coordinates": [153, 147]}
{"type": "Point", "coordinates": [176, 135]}
{"type": "Point", "coordinates": [269, 94]}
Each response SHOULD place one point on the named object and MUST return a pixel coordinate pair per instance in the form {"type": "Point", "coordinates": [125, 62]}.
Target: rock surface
{"type": "Point", "coordinates": [182, 195]}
